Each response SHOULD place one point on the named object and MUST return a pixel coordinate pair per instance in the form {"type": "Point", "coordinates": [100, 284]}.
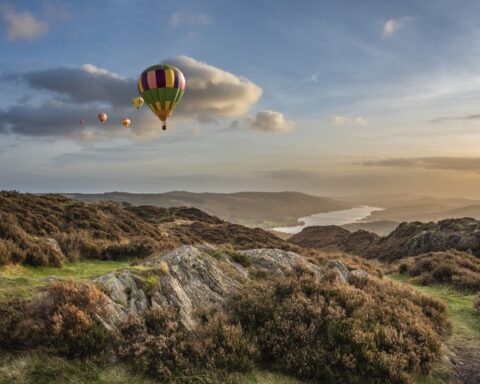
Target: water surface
{"type": "Point", "coordinates": [344, 216]}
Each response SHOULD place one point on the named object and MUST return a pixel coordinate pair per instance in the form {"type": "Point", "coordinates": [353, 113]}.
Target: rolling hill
{"type": "Point", "coordinates": [262, 209]}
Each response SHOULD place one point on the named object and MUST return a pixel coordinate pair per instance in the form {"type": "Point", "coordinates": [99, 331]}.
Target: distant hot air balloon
{"type": "Point", "coordinates": [162, 87]}
{"type": "Point", "coordinates": [126, 122]}
{"type": "Point", "coordinates": [137, 102]}
{"type": "Point", "coordinates": [82, 122]}
{"type": "Point", "coordinates": [102, 117]}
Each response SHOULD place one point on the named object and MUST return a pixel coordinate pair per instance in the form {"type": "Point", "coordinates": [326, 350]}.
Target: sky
{"type": "Point", "coordinates": [326, 97]}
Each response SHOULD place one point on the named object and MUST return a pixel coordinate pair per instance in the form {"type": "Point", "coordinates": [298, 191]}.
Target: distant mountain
{"type": "Point", "coordinates": [418, 208]}
{"type": "Point", "coordinates": [263, 209]}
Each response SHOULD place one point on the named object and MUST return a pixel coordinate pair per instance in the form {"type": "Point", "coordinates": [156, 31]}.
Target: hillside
{"type": "Point", "coordinates": [178, 295]}
{"type": "Point", "coordinates": [381, 228]}
{"type": "Point", "coordinates": [408, 239]}
{"type": "Point", "coordinates": [262, 209]}
{"type": "Point", "coordinates": [50, 229]}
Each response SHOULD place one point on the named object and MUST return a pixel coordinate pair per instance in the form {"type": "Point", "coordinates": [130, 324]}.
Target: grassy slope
{"type": "Point", "coordinates": [23, 280]}
{"type": "Point", "coordinates": [464, 317]}
{"type": "Point", "coordinates": [33, 368]}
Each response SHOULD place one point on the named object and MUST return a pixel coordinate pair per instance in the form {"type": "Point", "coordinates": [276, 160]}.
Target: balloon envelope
{"type": "Point", "coordinates": [162, 87]}
{"type": "Point", "coordinates": [126, 122]}
{"type": "Point", "coordinates": [137, 102]}
{"type": "Point", "coordinates": [102, 117]}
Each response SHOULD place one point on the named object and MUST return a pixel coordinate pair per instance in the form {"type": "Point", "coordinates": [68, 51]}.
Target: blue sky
{"type": "Point", "coordinates": [326, 97]}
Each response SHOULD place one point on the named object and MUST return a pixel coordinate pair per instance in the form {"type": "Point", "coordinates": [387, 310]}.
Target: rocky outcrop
{"type": "Point", "coordinates": [194, 277]}
{"type": "Point", "coordinates": [411, 239]}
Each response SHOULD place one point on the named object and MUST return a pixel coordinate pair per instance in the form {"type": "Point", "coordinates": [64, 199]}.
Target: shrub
{"type": "Point", "coordinates": [79, 245]}
{"type": "Point", "coordinates": [137, 248]}
{"type": "Point", "coordinates": [13, 310]}
{"type": "Point", "coordinates": [219, 343]}
{"type": "Point", "coordinates": [71, 320]}
{"type": "Point", "coordinates": [10, 252]}
{"type": "Point", "coordinates": [43, 253]}
{"type": "Point", "coordinates": [240, 258]}
{"type": "Point", "coordinates": [457, 269]}
{"type": "Point", "coordinates": [153, 344]}
{"type": "Point", "coordinates": [326, 330]}
{"type": "Point", "coordinates": [160, 346]}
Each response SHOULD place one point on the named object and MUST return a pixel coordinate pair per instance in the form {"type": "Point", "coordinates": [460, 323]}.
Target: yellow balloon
{"type": "Point", "coordinates": [137, 102]}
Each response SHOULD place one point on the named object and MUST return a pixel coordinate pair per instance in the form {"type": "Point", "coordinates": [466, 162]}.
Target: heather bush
{"type": "Point", "coordinates": [326, 330]}
{"type": "Point", "coordinates": [13, 310]}
{"type": "Point", "coordinates": [160, 346]}
{"type": "Point", "coordinates": [42, 253]}
{"type": "Point", "coordinates": [10, 252]}
{"type": "Point", "coordinates": [457, 269]}
{"type": "Point", "coordinates": [136, 248]}
{"type": "Point", "coordinates": [70, 317]}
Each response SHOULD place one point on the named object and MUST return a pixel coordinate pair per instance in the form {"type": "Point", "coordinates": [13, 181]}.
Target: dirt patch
{"type": "Point", "coordinates": [466, 364]}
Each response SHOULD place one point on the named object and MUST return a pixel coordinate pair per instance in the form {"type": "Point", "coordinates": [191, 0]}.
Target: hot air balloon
{"type": "Point", "coordinates": [162, 87]}
{"type": "Point", "coordinates": [102, 117]}
{"type": "Point", "coordinates": [126, 122]}
{"type": "Point", "coordinates": [137, 102]}
{"type": "Point", "coordinates": [82, 122]}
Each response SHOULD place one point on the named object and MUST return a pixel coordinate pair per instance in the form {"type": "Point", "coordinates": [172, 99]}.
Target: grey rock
{"type": "Point", "coordinates": [190, 278]}
{"type": "Point", "coordinates": [357, 273]}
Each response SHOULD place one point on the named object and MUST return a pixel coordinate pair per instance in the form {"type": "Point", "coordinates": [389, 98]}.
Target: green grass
{"type": "Point", "coordinates": [464, 317]}
{"type": "Point", "coordinates": [23, 280]}
{"type": "Point", "coordinates": [35, 368]}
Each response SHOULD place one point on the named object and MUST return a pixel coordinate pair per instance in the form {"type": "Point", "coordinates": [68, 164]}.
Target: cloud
{"type": "Point", "coordinates": [393, 25]}
{"type": "Point", "coordinates": [265, 121]}
{"type": "Point", "coordinates": [83, 85]}
{"type": "Point", "coordinates": [445, 163]}
{"type": "Point", "coordinates": [212, 92]}
{"type": "Point", "coordinates": [80, 93]}
{"type": "Point", "coordinates": [181, 18]}
{"type": "Point", "coordinates": [457, 118]}
{"type": "Point", "coordinates": [23, 25]}
{"type": "Point", "coordinates": [345, 120]}
{"type": "Point", "coordinates": [314, 78]}
{"type": "Point", "coordinates": [271, 121]}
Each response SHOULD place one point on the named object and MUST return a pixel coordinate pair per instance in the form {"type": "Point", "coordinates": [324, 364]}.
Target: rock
{"type": "Point", "coordinates": [50, 278]}
{"type": "Point", "coordinates": [54, 245]}
{"type": "Point", "coordinates": [277, 261]}
{"type": "Point", "coordinates": [196, 277]}
{"type": "Point", "coordinates": [357, 273]}
{"type": "Point", "coordinates": [340, 269]}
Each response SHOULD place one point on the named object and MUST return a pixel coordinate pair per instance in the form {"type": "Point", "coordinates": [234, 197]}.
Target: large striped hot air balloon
{"type": "Point", "coordinates": [162, 87]}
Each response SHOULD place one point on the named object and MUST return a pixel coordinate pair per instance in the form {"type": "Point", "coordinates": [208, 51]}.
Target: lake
{"type": "Point", "coordinates": [345, 216]}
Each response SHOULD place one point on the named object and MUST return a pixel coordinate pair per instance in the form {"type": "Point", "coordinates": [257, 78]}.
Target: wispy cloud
{"type": "Point", "coordinates": [23, 25]}
{"type": "Point", "coordinates": [391, 26]}
{"type": "Point", "coordinates": [181, 18]}
{"type": "Point", "coordinates": [455, 118]}
{"type": "Point", "coordinates": [445, 163]}
{"type": "Point", "coordinates": [314, 78]}
{"type": "Point", "coordinates": [345, 120]}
